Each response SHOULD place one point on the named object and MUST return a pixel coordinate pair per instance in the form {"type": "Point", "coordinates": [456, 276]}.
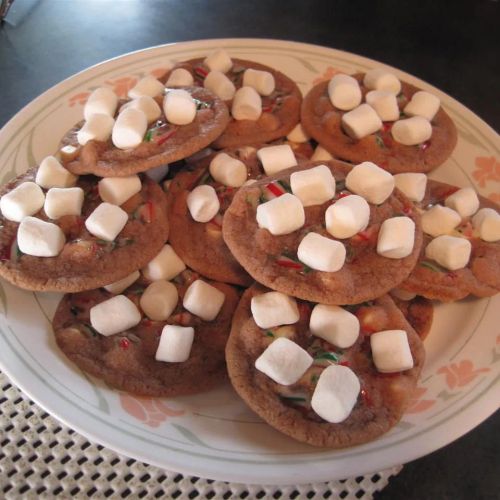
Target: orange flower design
{"type": "Point", "coordinates": [487, 169]}
{"type": "Point", "coordinates": [460, 374]}
{"type": "Point", "coordinates": [327, 74]}
{"type": "Point", "coordinates": [151, 411]}
{"type": "Point", "coordinates": [121, 86]}
{"type": "Point", "coordinates": [418, 405]}
{"type": "Point", "coordinates": [80, 99]}
{"type": "Point", "coordinates": [158, 72]}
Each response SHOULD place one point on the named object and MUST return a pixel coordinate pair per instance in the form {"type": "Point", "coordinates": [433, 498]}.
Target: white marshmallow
{"type": "Point", "coordinates": [101, 101]}
{"type": "Point", "coordinates": [166, 265]}
{"type": "Point", "coordinates": [98, 127]}
{"type": "Point", "coordinates": [106, 221]}
{"type": "Point", "coordinates": [119, 286]}
{"type": "Point", "coordinates": [261, 81]}
{"type": "Point", "coordinates": [412, 185]}
{"type": "Point", "coordinates": [247, 104]}
{"type": "Point", "coordinates": [114, 315]}
{"type": "Point", "coordinates": [147, 86]}
{"type": "Point", "coordinates": [179, 107]}
{"type": "Point", "coordinates": [25, 199]}
{"type": "Point", "coordinates": [381, 79]}
{"type": "Point", "coordinates": [117, 190]}
{"type": "Point", "coordinates": [449, 251]}
{"type": "Point", "coordinates": [347, 216]}
{"type": "Point", "coordinates": [284, 361]}
{"type": "Point", "coordinates": [371, 182]}
{"type": "Point", "coordinates": [203, 300]}
{"type": "Point", "coordinates": [336, 393]}
{"type": "Point", "coordinates": [145, 104]}
{"type": "Point", "coordinates": [313, 186]}
{"type": "Point", "coordinates": [51, 173]}
{"type": "Point", "coordinates": [273, 309]}
{"type": "Point", "coordinates": [157, 174]}
{"type": "Point", "coordinates": [175, 344]}
{"type": "Point", "coordinates": [423, 104]}
{"type": "Point", "coordinates": [228, 170]}
{"type": "Point", "coordinates": [396, 238]}
{"type": "Point", "coordinates": [440, 220]}
{"type": "Point", "coordinates": [276, 158]}
{"type": "Point", "coordinates": [281, 215]}
{"type": "Point", "coordinates": [321, 253]}
{"type": "Point", "coordinates": [464, 201]}
{"type": "Point", "coordinates": [321, 154]}
{"type": "Point", "coordinates": [220, 85]}
{"type": "Point", "coordinates": [39, 238]}
{"type": "Point", "coordinates": [412, 131]}
{"type": "Point", "coordinates": [159, 300]}
{"type": "Point", "coordinates": [180, 77]}
{"type": "Point", "coordinates": [391, 351]}
{"type": "Point", "coordinates": [335, 325]}
{"type": "Point", "coordinates": [63, 201]}
{"type": "Point", "coordinates": [298, 134]}
{"type": "Point", "coordinates": [487, 223]}
{"type": "Point", "coordinates": [219, 60]}
{"type": "Point", "coordinates": [203, 203]}
{"type": "Point", "coordinates": [361, 121]}
{"type": "Point", "coordinates": [129, 129]}
{"type": "Point", "coordinates": [384, 103]}
{"type": "Point", "coordinates": [344, 92]}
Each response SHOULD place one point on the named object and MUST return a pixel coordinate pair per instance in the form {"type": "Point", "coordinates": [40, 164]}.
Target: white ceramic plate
{"type": "Point", "coordinates": [214, 435]}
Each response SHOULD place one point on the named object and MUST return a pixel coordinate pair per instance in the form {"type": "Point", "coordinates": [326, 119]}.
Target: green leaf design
{"type": "Point", "coordinates": [445, 395]}
{"type": "Point", "coordinates": [307, 64]}
{"type": "Point", "coordinates": [29, 150]}
{"type": "Point", "coordinates": [3, 299]}
{"type": "Point", "coordinates": [496, 356]}
{"type": "Point", "coordinates": [190, 436]}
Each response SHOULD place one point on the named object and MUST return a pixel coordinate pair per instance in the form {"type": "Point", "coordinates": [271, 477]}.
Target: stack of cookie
{"type": "Point", "coordinates": [199, 231]}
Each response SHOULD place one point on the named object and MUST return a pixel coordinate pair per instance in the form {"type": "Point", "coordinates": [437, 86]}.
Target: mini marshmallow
{"type": "Point", "coordinates": [281, 215]}
{"type": "Point", "coordinates": [381, 79]}
{"type": "Point", "coordinates": [449, 251]}
{"type": "Point", "coordinates": [147, 105]}
{"type": "Point", "coordinates": [371, 182]}
{"type": "Point", "coordinates": [336, 393]}
{"type": "Point", "coordinates": [412, 131]}
{"type": "Point", "coordinates": [157, 174]}
{"type": "Point", "coordinates": [129, 129]}
{"type": "Point", "coordinates": [423, 104]}
{"type": "Point", "coordinates": [203, 203]}
{"type": "Point", "coordinates": [334, 324]}
{"type": "Point", "coordinates": [159, 300]}
{"type": "Point", "coordinates": [25, 199]}
{"type": "Point", "coordinates": [396, 238]}
{"type": "Point", "coordinates": [321, 154]}
{"type": "Point", "coordinates": [384, 103]}
{"type": "Point", "coordinates": [228, 170]}
{"type": "Point", "coordinates": [101, 101]}
{"type": "Point", "coordinates": [273, 309]}
{"type": "Point", "coordinates": [166, 265]}
{"type": "Point", "coordinates": [487, 223]}
{"type": "Point", "coordinates": [180, 77]}
{"type": "Point", "coordinates": [106, 221]}
{"type": "Point", "coordinates": [98, 127]}
{"type": "Point", "coordinates": [313, 186]}
{"type": "Point", "coordinates": [464, 201]}
{"type": "Point", "coordinates": [412, 185]}
{"type": "Point", "coordinates": [321, 253]}
{"type": "Point", "coordinates": [347, 216]}
{"type": "Point", "coordinates": [147, 86]}
{"type": "Point", "coordinates": [63, 201]}
{"type": "Point", "coordinates": [440, 220]}
{"type": "Point", "coordinates": [117, 190]}
{"type": "Point", "coordinates": [220, 85]}
{"type": "Point", "coordinates": [361, 121]}
{"type": "Point", "coordinates": [247, 104]}
{"type": "Point", "coordinates": [119, 286]}
{"type": "Point", "coordinates": [276, 158]}
{"type": "Point", "coordinates": [179, 107]}
{"type": "Point", "coordinates": [391, 351]}
{"type": "Point", "coordinates": [39, 238]}
{"type": "Point", "coordinates": [51, 173]}
{"type": "Point", "coordinates": [284, 361]}
{"type": "Point", "coordinates": [298, 134]}
{"type": "Point", "coordinates": [261, 81]}
{"type": "Point", "coordinates": [344, 92]}
{"type": "Point", "coordinates": [114, 315]}
{"type": "Point", "coordinates": [203, 300]}
{"type": "Point", "coordinates": [219, 60]}
{"type": "Point", "coordinates": [175, 344]}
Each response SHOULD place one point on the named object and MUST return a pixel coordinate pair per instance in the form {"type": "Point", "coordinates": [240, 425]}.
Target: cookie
{"type": "Point", "coordinates": [380, 404]}
{"type": "Point", "coordinates": [418, 311]}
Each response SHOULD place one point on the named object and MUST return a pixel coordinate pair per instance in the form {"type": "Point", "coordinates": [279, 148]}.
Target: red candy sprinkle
{"type": "Point", "coordinates": [124, 343]}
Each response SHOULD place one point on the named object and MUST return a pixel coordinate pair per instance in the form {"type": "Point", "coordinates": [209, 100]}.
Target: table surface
{"type": "Point", "coordinates": [454, 49]}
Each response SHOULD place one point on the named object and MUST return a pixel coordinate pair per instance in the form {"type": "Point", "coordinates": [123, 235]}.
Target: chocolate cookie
{"type": "Point", "coordinates": [418, 311]}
